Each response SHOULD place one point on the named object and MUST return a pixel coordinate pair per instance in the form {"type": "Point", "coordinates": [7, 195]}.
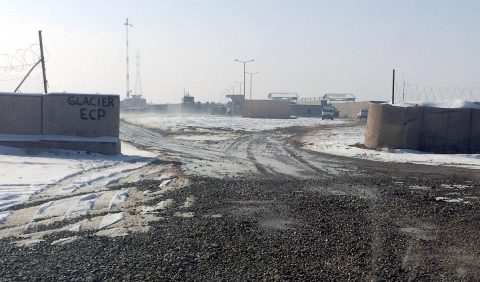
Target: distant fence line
{"type": "Point", "coordinates": [405, 91]}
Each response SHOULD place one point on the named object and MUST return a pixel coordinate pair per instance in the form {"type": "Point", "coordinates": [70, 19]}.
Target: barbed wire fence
{"type": "Point", "coordinates": [405, 91]}
{"type": "Point", "coordinates": [14, 66]}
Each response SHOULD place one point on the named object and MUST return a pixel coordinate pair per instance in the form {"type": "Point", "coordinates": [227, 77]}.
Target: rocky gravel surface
{"type": "Point", "coordinates": [277, 229]}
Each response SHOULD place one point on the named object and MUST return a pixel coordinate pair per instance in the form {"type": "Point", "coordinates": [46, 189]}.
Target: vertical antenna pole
{"type": "Point", "coordinates": [42, 59]}
{"type": "Point", "coordinates": [128, 73]}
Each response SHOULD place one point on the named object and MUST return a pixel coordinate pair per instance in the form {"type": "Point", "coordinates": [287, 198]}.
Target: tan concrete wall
{"type": "Point", "coordinates": [350, 110]}
{"type": "Point", "coordinates": [372, 129]}
{"type": "Point", "coordinates": [20, 114]}
{"type": "Point", "coordinates": [267, 109]}
{"type": "Point", "coordinates": [446, 130]}
{"type": "Point", "coordinates": [393, 127]}
{"type": "Point", "coordinates": [422, 128]}
{"type": "Point", "coordinates": [81, 115]}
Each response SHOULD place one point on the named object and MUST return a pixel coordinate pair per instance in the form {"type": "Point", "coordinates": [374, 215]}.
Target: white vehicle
{"type": "Point", "coordinates": [328, 113]}
{"type": "Point", "coordinates": [362, 114]}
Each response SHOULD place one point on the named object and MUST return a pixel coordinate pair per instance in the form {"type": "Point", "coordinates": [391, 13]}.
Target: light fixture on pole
{"type": "Point", "coordinates": [251, 78]}
{"type": "Point", "coordinates": [244, 72]}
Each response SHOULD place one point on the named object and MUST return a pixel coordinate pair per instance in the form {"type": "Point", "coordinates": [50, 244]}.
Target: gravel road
{"type": "Point", "coordinates": [286, 214]}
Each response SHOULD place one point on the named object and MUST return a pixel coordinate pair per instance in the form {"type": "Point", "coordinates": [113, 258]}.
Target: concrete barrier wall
{"type": "Point", "coordinates": [302, 110]}
{"type": "Point", "coordinates": [350, 110]}
{"type": "Point", "coordinates": [267, 109]}
{"type": "Point", "coordinates": [63, 121]}
{"type": "Point", "coordinates": [20, 113]}
{"type": "Point", "coordinates": [81, 115]}
{"type": "Point", "coordinates": [475, 132]}
{"type": "Point", "coordinates": [422, 128]}
{"type": "Point", "coordinates": [393, 127]}
{"type": "Point", "coordinates": [446, 130]}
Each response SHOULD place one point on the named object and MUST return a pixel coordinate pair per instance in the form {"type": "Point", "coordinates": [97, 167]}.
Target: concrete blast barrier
{"type": "Point", "coordinates": [277, 109]}
{"type": "Point", "coordinates": [393, 127]}
{"type": "Point", "coordinates": [446, 130]}
{"type": "Point", "coordinates": [350, 110]}
{"type": "Point", "coordinates": [81, 115]}
{"type": "Point", "coordinates": [61, 121]}
{"type": "Point", "coordinates": [20, 113]}
{"type": "Point", "coordinates": [438, 130]}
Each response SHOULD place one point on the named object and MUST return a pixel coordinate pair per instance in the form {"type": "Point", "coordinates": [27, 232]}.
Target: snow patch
{"type": "Point", "coordinates": [64, 241]}
{"type": "Point", "coordinates": [26, 174]}
{"type": "Point", "coordinates": [188, 202]}
{"type": "Point", "coordinates": [342, 141]}
{"type": "Point", "coordinates": [110, 219]}
{"type": "Point", "coordinates": [83, 206]}
{"type": "Point", "coordinates": [449, 104]}
{"type": "Point", "coordinates": [160, 206]}
{"type": "Point", "coordinates": [118, 198]}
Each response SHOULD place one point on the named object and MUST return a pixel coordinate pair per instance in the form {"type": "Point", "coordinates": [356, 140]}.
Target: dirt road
{"type": "Point", "coordinates": [257, 207]}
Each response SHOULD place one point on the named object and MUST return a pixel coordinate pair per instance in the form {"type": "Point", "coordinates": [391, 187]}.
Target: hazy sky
{"type": "Point", "coordinates": [309, 47]}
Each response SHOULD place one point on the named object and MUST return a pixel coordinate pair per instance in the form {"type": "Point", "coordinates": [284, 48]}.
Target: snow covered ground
{"type": "Point", "coordinates": [26, 174]}
{"type": "Point", "coordinates": [339, 141]}
{"type": "Point", "coordinates": [206, 124]}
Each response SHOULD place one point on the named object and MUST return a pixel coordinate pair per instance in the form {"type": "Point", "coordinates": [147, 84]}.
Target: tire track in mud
{"type": "Point", "coordinates": [251, 157]}
{"type": "Point", "coordinates": [301, 160]}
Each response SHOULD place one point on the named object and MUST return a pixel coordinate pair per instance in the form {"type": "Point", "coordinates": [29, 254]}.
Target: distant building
{"type": "Point", "coordinates": [292, 97]}
{"type": "Point", "coordinates": [134, 102]}
{"type": "Point", "coordinates": [339, 98]}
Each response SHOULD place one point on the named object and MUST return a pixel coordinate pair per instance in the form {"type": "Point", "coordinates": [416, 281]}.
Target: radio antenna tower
{"type": "Point", "coordinates": [127, 25]}
{"type": "Point", "coordinates": [138, 79]}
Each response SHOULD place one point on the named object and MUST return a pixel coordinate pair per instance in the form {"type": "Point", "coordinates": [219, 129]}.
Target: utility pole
{"type": "Point", "coordinates": [393, 87]}
{"type": "Point", "coordinates": [251, 79]}
{"type": "Point", "coordinates": [128, 73]}
{"type": "Point", "coordinates": [42, 59]}
{"type": "Point", "coordinates": [244, 73]}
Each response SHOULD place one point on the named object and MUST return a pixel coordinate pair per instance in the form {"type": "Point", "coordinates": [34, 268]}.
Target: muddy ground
{"type": "Point", "coordinates": [258, 207]}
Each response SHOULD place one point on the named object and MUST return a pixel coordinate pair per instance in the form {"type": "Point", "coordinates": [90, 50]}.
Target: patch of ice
{"type": "Point", "coordinates": [110, 219]}
{"type": "Point", "coordinates": [184, 214]}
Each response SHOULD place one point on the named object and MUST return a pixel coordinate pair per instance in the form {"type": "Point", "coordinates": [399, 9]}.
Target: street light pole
{"type": "Point", "coordinates": [244, 73]}
{"type": "Point", "coordinates": [251, 79]}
